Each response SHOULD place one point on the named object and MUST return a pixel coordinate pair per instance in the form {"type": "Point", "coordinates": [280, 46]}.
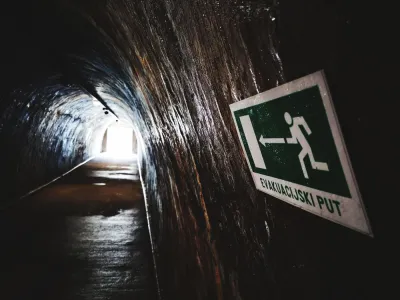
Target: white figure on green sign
{"type": "Point", "coordinates": [298, 137]}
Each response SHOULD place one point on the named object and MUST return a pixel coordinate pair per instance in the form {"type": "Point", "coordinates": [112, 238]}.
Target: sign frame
{"type": "Point", "coordinates": [353, 214]}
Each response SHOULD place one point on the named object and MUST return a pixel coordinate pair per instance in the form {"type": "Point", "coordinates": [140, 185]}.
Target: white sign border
{"type": "Point", "coordinates": [362, 223]}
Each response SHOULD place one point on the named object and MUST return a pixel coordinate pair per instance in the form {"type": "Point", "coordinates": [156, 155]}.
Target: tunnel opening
{"type": "Point", "coordinates": [120, 140]}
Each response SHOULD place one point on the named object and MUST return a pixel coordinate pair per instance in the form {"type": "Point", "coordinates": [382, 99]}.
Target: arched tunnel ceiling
{"type": "Point", "coordinates": [53, 115]}
{"type": "Point", "coordinates": [55, 127]}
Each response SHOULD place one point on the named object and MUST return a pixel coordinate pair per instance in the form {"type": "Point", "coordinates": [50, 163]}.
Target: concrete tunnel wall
{"type": "Point", "coordinates": [172, 68]}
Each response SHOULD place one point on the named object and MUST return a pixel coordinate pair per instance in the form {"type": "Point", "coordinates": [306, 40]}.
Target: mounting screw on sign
{"type": "Point", "coordinates": [296, 152]}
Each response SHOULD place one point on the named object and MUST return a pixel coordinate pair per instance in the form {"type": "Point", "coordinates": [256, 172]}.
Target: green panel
{"type": "Point", "coordinates": [282, 159]}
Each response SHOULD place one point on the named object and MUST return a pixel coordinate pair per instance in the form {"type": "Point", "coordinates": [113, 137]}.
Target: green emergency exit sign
{"type": "Point", "coordinates": [295, 150]}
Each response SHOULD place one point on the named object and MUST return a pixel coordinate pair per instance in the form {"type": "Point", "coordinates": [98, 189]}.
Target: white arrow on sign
{"type": "Point", "coordinates": [264, 141]}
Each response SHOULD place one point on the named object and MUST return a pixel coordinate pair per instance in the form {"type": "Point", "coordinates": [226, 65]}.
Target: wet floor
{"type": "Point", "coordinates": [83, 237]}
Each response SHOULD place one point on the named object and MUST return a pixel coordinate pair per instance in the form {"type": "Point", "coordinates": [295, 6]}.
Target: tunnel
{"type": "Point", "coordinates": [168, 70]}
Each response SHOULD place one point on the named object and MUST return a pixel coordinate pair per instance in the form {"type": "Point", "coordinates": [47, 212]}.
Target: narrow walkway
{"type": "Point", "coordinates": [83, 237]}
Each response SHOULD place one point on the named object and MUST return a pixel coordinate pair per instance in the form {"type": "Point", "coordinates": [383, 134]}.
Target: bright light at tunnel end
{"type": "Point", "coordinates": [119, 141]}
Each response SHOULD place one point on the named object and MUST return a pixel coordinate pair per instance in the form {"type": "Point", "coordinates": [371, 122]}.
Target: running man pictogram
{"type": "Point", "coordinates": [298, 138]}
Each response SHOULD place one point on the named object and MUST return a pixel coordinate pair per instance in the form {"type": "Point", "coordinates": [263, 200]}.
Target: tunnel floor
{"type": "Point", "coordinates": [83, 237]}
